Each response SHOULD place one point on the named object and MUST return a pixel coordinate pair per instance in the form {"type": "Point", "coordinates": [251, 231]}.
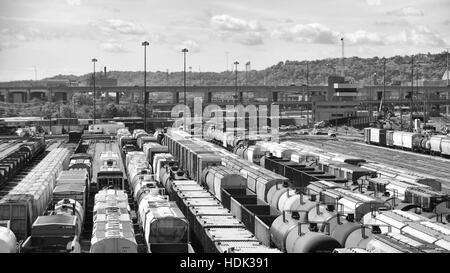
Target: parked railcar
{"type": "Point", "coordinates": [113, 229]}
{"type": "Point", "coordinates": [108, 167]}
{"type": "Point", "coordinates": [31, 197]}
{"type": "Point", "coordinates": [8, 241]}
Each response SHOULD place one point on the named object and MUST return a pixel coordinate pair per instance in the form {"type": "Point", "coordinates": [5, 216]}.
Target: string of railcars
{"type": "Point", "coordinates": [416, 142]}
{"type": "Point", "coordinates": [289, 151]}
{"type": "Point", "coordinates": [28, 200]}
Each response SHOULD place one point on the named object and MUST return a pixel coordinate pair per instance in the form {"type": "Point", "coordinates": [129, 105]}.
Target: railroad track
{"type": "Point", "coordinates": [8, 147]}
{"type": "Point", "coordinates": [427, 165]}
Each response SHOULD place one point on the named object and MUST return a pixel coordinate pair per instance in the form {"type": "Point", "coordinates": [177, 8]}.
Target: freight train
{"type": "Point", "coordinates": [113, 229]}
{"type": "Point", "coordinates": [337, 206]}
{"type": "Point", "coordinates": [29, 199]}
{"type": "Point", "coordinates": [416, 142]}
{"type": "Point", "coordinates": [59, 230]}
{"type": "Point", "coordinates": [12, 163]}
{"type": "Point", "coordinates": [108, 168]}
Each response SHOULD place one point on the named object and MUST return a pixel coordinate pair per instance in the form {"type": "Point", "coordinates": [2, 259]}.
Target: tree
{"type": "Point", "coordinates": [67, 111]}
{"type": "Point", "coordinates": [110, 111]}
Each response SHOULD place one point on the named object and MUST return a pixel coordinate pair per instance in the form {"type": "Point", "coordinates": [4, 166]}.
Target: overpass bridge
{"type": "Point", "coordinates": [163, 98]}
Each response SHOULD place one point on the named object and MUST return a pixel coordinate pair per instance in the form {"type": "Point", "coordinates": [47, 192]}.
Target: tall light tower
{"type": "Point", "coordinates": [343, 58]}
{"type": "Point", "coordinates": [145, 44]}
{"type": "Point", "coordinates": [184, 50]}
{"type": "Point", "coordinates": [412, 92]}
{"type": "Point", "coordinates": [235, 80]}
{"type": "Point", "coordinates": [94, 60]}
{"type": "Point", "coordinates": [307, 93]}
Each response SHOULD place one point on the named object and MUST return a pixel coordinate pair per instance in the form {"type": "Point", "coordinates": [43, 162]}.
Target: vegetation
{"type": "Point", "coordinates": [398, 68]}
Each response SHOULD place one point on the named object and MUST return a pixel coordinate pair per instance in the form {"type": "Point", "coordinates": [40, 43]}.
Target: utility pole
{"type": "Point", "coordinates": [307, 94]}
{"type": "Point", "coordinates": [235, 81]}
{"type": "Point", "coordinates": [184, 50]}
{"type": "Point", "coordinates": [167, 77]}
{"type": "Point", "coordinates": [226, 55]}
{"type": "Point", "coordinates": [145, 44]}
{"type": "Point", "coordinates": [412, 91]}
{"type": "Point", "coordinates": [343, 58]}
{"type": "Point", "coordinates": [94, 61]}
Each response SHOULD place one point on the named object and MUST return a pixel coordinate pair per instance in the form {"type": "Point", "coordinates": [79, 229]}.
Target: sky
{"type": "Point", "coordinates": [53, 37]}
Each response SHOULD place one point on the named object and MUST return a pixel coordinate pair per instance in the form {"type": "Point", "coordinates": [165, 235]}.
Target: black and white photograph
{"type": "Point", "coordinates": [207, 129]}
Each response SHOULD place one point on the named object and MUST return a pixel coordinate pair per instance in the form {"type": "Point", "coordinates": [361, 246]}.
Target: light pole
{"type": "Point", "coordinates": [384, 83]}
{"type": "Point", "coordinates": [307, 93]}
{"type": "Point", "coordinates": [145, 44]}
{"type": "Point", "coordinates": [184, 50]}
{"type": "Point", "coordinates": [412, 91]}
{"type": "Point", "coordinates": [235, 81]}
{"type": "Point", "coordinates": [94, 60]}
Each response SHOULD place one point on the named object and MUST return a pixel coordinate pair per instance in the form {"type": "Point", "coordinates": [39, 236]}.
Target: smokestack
{"type": "Point", "coordinates": [105, 71]}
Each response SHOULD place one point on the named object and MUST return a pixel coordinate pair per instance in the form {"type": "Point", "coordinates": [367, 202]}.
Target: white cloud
{"type": "Point", "coordinates": [419, 36]}
{"type": "Point", "coordinates": [12, 37]}
{"type": "Point", "coordinates": [192, 46]}
{"type": "Point", "coordinates": [363, 37]}
{"type": "Point", "coordinates": [407, 11]}
{"type": "Point", "coordinates": [111, 26]}
{"type": "Point", "coordinates": [373, 2]}
{"type": "Point", "coordinates": [74, 2]}
{"type": "Point", "coordinates": [314, 33]}
{"type": "Point", "coordinates": [239, 30]}
{"type": "Point", "coordinates": [227, 23]}
{"type": "Point", "coordinates": [113, 47]}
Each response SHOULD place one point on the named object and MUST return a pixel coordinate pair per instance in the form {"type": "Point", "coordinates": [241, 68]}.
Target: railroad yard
{"type": "Point", "coordinates": [170, 191]}
{"type": "Point", "coordinates": [431, 166]}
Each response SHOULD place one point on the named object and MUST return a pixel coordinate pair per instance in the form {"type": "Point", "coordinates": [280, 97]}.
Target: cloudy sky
{"type": "Point", "coordinates": [62, 36]}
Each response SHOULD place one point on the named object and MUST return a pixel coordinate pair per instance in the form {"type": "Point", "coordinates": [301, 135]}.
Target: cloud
{"type": "Point", "coordinates": [447, 22]}
{"type": "Point", "coordinates": [111, 26]}
{"type": "Point", "coordinates": [192, 46]}
{"type": "Point", "coordinates": [373, 2]}
{"type": "Point", "coordinates": [390, 23]}
{"type": "Point", "coordinates": [314, 33]}
{"type": "Point", "coordinates": [113, 47]}
{"type": "Point", "coordinates": [74, 2]}
{"type": "Point", "coordinates": [239, 30]}
{"type": "Point", "coordinates": [227, 23]}
{"type": "Point", "coordinates": [419, 36]}
{"type": "Point", "coordinates": [360, 37]}
{"type": "Point", "coordinates": [407, 11]}
{"type": "Point", "coordinates": [12, 37]}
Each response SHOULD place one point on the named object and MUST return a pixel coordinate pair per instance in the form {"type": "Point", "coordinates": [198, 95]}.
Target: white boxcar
{"type": "Point", "coordinates": [398, 138]}
{"type": "Point", "coordinates": [445, 146]}
{"type": "Point", "coordinates": [374, 135]}
{"type": "Point", "coordinates": [410, 140]}
{"type": "Point", "coordinates": [435, 142]}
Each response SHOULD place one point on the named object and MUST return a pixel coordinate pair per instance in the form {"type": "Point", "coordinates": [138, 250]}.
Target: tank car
{"type": "Point", "coordinates": [113, 229]}
{"type": "Point", "coordinates": [8, 241]}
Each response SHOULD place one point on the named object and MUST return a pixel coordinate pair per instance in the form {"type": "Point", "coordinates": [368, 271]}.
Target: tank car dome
{"type": "Point", "coordinates": [8, 241]}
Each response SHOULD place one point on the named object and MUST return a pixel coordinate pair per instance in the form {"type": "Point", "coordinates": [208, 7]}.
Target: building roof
{"type": "Point", "coordinates": [444, 77]}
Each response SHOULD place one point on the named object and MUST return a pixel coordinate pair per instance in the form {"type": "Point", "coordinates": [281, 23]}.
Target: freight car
{"type": "Point", "coordinates": [59, 230]}
{"type": "Point", "coordinates": [30, 198]}
{"type": "Point", "coordinates": [410, 224]}
{"type": "Point", "coordinates": [245, 206]}
{"type": "Point", "coordinates": [113, 229]}
{"type": "Point", "coordinates": [11, 164]}
{"type": "Point", "coordinates": [434, 145]}
{"type": "Point", "coordinates": [165, 227]}
{"type": "Point", "coordinates": [8, 241]}
{"type": "Point", "coordinates": [214, 228]}
{"type": "Point", "coordinates": [108, 169]}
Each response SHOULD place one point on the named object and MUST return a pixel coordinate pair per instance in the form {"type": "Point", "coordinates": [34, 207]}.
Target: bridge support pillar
{"type": "Point", "coordinates": [117, 97]}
